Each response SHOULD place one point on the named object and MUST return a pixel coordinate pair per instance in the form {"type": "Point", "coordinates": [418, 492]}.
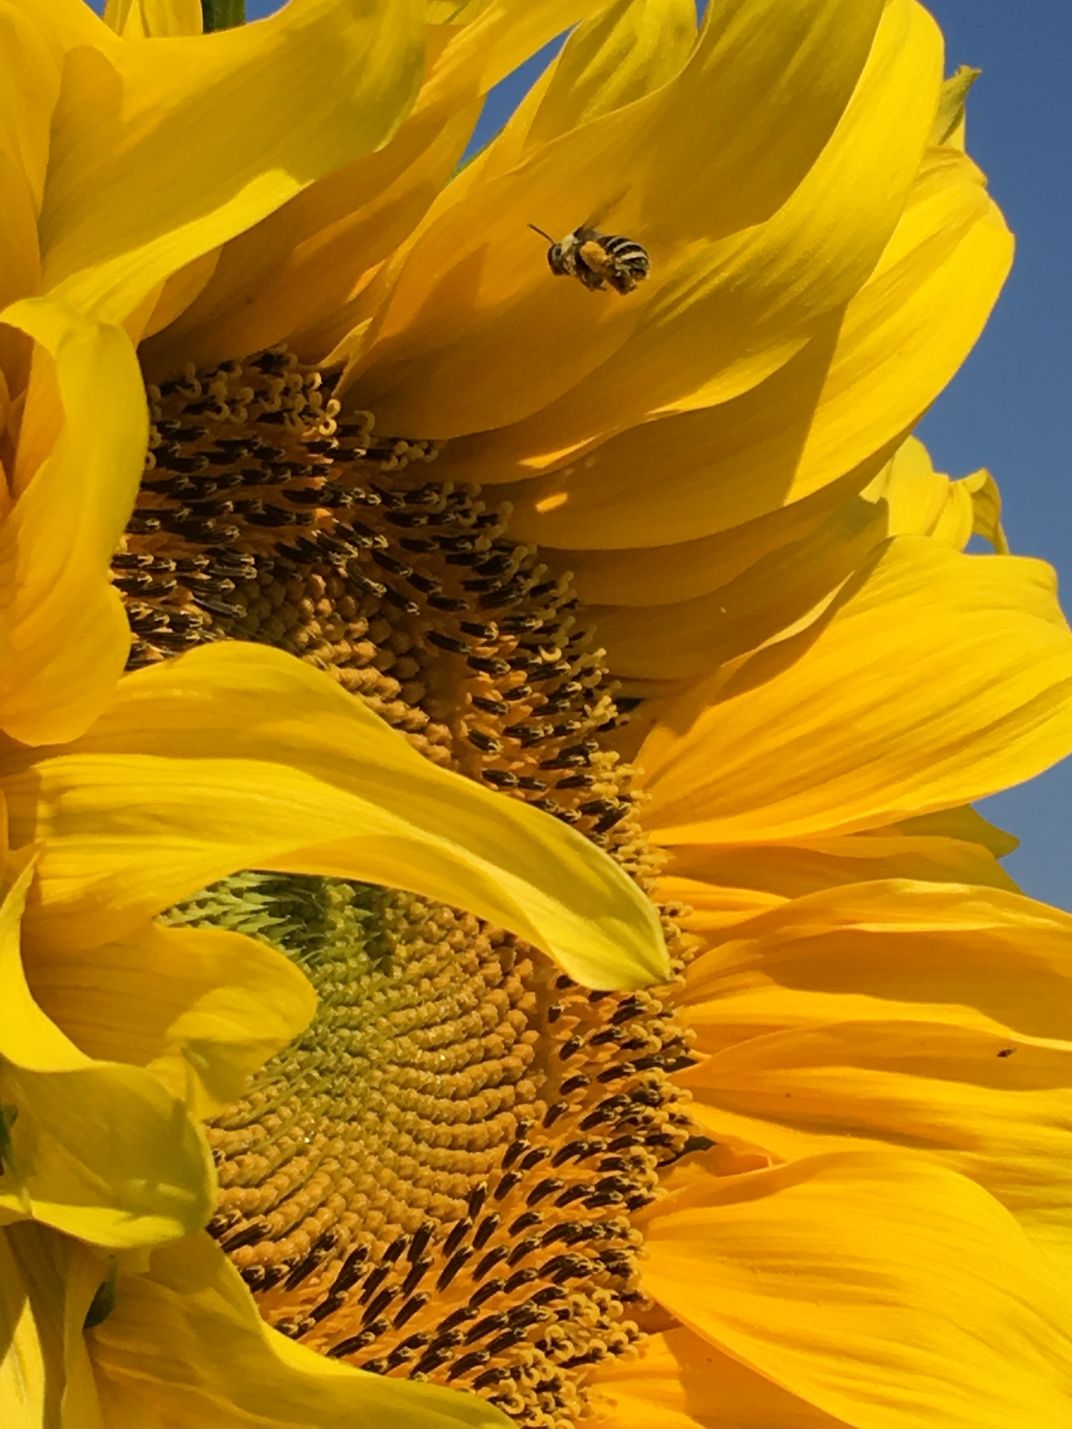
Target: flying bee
{"type": "Point", "coordinates": [597, 259]}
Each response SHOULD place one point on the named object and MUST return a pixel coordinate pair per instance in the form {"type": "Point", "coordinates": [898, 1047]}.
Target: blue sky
{"type": "Point", "coordinates": [1009, 408]}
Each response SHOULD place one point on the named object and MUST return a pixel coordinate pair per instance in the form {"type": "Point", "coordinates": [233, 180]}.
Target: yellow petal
{"type": "Point", "coordinates": [720, 267]}
{"type": "Point", "coordinates": [678, 1381]}
{"type": "Point", "coordinates": [63, 631]}
{"type": "Point", "coordinates": [294, 275]}
{"type": "Point", "coordinates": [200, 1008]}
{"type": "Point", "coordinates": [838, 404]}
{"type": "Point", "coordinates": [137, 19]}
{"type": "Point", "coordinates": [32, 69]}
{"type": "Point", "coordinates": [719, 884]}
{"type": "Point", "coordinates": [949, 121]}
{"type": "Point", "coordinates": [98, 1150]}
{"type": "Point", "coordinates": [986, 508]}
{"type": "Point", "coordinates": [238, 756]}
{"type": "Point", "coordinates": [866, 717]}
{"type": "Point", "coordinates": [688, 639]}
{"type": "Point", "coordinates": [883, 1290]}
{"type": "Point", "coordinates": [898, 1013]}
{"type": "Point", "coordinates": [47, 1283]}
{"type": "Point", "coordinates": [620, 54]}
{"type": "Point", "coordinates": [185, 1341]}
{"type": "Point", "coordinates": [140, 183]}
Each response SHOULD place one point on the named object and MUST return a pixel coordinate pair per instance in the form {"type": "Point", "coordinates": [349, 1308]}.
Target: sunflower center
{"type": "Point", "coordinates": [439, 1178]}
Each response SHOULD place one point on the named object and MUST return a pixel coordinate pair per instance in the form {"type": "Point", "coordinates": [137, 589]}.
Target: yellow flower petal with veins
{"type": "Point", "coordinates": [138, 184]}
{"type": "Point", "coordinates": [833, 407]}
{"type": "Point", "coordinates": [136, 19]}
{"type": "Point", "coordinates": [238, 756]}
{"type": "Point", "coordinates": [875, 722]}
{"type": "Point", "coordinates": [897, 1014]}
{"type": "Point", "coordinates": [679, 1381]}
{"type": "Point", "coordinates": [98, 1149]}
{"type": "Point", "coordinates": [63, 631]}
{"type": "Point", "coordinates": [521, 350]}
{"type": "Point", "coordinates": [856, 1281]}
{"type": "Point", "coordinates": [47, 1284]}
{"type": "Point", "coordinates": [200, 1008]}
{"type": "Point", "coordinates": [722, 883]}
{"type": "Point", "coordinates": [186, 1340]}
{"type": "Point", "coordinates": [293, 275]}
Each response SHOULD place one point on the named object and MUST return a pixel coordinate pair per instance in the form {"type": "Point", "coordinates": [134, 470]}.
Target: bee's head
{"type": "Point", "coordinates": [556, 253]}
{"type": "Point", "coordinates": [556, 258]}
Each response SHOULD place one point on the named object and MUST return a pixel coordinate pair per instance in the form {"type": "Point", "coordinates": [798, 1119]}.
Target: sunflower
{"type": "Point", "coordinates": [494, 924]}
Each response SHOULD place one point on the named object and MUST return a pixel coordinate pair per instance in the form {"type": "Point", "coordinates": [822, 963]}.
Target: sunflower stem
{"type": "Point", "coordinates": [222, 14]}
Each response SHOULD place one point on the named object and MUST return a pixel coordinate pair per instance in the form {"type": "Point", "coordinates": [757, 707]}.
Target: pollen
{"type": "Point", "coordinates": [439, 1179]}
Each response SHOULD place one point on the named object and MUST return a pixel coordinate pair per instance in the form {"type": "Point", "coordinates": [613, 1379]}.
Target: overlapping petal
{"type": "Point", "coordinates": [78, 460]}
{"type": "Point", "coordinates": [297, 273]}
{"type": "Point", "coordinates": [921, 1016]}
{"type": "Point", "coordinates": [864, 718]}
{"type": "Point", "coordinates": [723, 265]}
{"type": "Point", "coordinates": [138, 182]}
{"type": "Point", "coordinates": [679, 1381]}
{"type": "Point", "coordinates": [199, 1007]}
{"type": "Point", "coordinates": [238, 756]}
{"type": "Point", "coordinates": [47, 1285]}
{"type": "Point", "coordinates": [185, 1341]}
{"type": "Point", "coordinates": [718, 884]}
{"type": "Point", "coordinates": [835, 408]}
{"type": "Point", "coordinates": [100, 1150]}
{"type": "Point", "coordinates": [880, 1289]}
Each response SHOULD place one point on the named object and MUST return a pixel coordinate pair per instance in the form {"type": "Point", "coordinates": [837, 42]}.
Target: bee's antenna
{"type": "Point", "coordinates": [541, 233]}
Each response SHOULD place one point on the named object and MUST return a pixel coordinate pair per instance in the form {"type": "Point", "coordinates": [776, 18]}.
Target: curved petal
{"type": "Point", "coordinates": [63, 632]}
{"type": "Point", "coordinates": [626, 50]}
{"type": "Point", "coordinates": [921, 1016]}
{"type": "Point", "coordinates": [679, 1381]}
{"type": "Point", "coordinates": [98, 1150]}
{"type": "Point", "coordinates": [529, 339]}
{"type": "Point", "coordinates": [863, 718]}
{"type": "Point", "coordinates": [47, 1284]}
{"type": "Point", "coordinates": [185, 1341]}
{"type": "Point", "coordinates": [199, 1007]}
{"type": "Point", "coordinates": [839, 403]}
{"type": "Point", "coordinates": [139, 19]}
{"type": "Point", "coordinates": [139, 183]}
{"type": "Point", "coordinates": [686, 640]}
{"type": "Point", "coordinates": [719, 884]}
{"type": "Point", "coordinates": [295, 275]}
{"type": "Point", "coordinates": [881, 1289]}
{"type": "Point", "coordinates": [238, 756]}
{"type": "Point", "coordinates": [32, 69]}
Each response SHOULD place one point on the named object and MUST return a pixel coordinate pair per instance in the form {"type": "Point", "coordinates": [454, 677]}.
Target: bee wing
{"type": "Point", "coordinates": [595, 223]}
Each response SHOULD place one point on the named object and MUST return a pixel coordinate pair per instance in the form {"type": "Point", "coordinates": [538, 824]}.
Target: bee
{"type": "Point", "coordinates": [597, 259]}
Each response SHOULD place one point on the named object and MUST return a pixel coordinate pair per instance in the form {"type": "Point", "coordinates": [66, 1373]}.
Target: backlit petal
{"type": "Point", "coordinates": [294, 274]}
{"type": "Point", "coordinates": [720, 883]}
{"type": "Point", "coordinates": [165, 148]}
{"type": "Point", "coordinates": [883, 1290]}
{"type": "Point", "coordinates": [185, 1341]}
{"type": "Point", "coordinates": [63, 631]}
{"type": "Point", "coordinates": [199, 1007]}
{"type": "Point", "coordinates": [47, 1283]}
{"type": "Point", "coordinates": [678, 1381]}
{"type": "Point", "coordinates": [99, 1150]}
{"type": "Point", "coordinates": [136, 19]}
{"type": "Point", "coordinates": [915, 1015]}
{"type": "Point", "coordinates": [837, 404]}
{"type": "Point", "coordinates": [238, 756]}
{"type": "Point", "coordinates": [866, 717]}
{"type": "Point", "coordinates": [530, 339]}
